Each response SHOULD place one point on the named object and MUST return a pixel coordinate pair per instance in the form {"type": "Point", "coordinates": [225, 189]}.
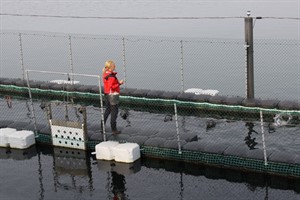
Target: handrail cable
{"type": "Point", "coordinates": [139, 18]}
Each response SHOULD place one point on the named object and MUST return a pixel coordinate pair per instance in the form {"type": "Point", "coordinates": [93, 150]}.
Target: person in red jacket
{"type": "Point", "coordinates": [111, 92]}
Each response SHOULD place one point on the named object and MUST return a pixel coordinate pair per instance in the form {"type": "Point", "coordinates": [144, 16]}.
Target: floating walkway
{"type": "Point", "coordinates": [152, 99]}
{"type": "Point", "coordinates": [196, 146]}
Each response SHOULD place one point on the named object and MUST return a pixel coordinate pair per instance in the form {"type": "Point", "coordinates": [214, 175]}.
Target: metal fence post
{"type": "Point", "coordinates": [31, 103]}
{"type": "Point", "coordinates": [21, 56]}
{"type": "Point", "coordinates": [71, 60]}
{"type": "Point", "coordinates": [177, 128]}
{"type": "Point", "coordinates": [249, 60]}
{"type": "Point", "coordinates": [101, 108]}
{"type": "Point", "coordinates": [181, 67]}
{"type": "Point", "coordinates": [124, 61]}
{"type": "Point", "coordinates": [263, 137]}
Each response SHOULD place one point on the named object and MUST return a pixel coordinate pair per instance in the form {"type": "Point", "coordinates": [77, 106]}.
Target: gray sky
{"type": "Point", "coordinates": [216, 28]}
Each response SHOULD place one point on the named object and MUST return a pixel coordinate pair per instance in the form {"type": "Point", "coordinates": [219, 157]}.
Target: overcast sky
{"type": "Point", "coordinates": [217, 28]}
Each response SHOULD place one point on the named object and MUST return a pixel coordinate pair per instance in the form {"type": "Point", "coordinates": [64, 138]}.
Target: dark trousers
{"type": "Point", "coordinates": [113, 111]}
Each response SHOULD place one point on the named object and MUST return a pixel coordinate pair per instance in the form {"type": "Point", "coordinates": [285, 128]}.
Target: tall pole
{"type": "Point", "coordinates": [249, 55]}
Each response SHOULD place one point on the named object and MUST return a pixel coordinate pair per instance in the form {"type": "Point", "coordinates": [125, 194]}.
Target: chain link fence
{"type": "Point", "coordinates": [169, 64]}
{"type": "Point", "coordinates": [163, 66]}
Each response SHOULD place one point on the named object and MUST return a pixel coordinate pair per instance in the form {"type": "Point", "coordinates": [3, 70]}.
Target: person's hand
{"type": "Point", "coordinates": [121, 82]}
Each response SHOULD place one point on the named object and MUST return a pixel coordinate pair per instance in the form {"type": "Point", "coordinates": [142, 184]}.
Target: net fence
{"type": "Point", "coordinates": [156, 72]}
{"type": "Point", "coordinates": [170, 64]}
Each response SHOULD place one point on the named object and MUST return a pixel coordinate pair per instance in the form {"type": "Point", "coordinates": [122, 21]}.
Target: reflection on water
{"type": "Point", "coordinates": [63, 173]}
{"type": "Point", "coordinates": [116, 176]}
{"type": "Point", "coordinates": [74, 163]}
{"type": "Point", "coordinates": [18, 154]}
{"type": "Point", "coordinates": [68, 165]}
{"type": "Point", "coordinates": [249, 141]}
{"type": "Point", "coordinates": [118, 185]}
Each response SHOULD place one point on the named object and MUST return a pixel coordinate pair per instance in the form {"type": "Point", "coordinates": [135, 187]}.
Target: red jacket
{"type": "Point", "coordinates": [111, 82]}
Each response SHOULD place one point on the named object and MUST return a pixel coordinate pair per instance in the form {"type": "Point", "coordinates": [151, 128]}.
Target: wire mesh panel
{"type": "Point", "coordinates": [215, 64]}
{"type": "Point", "coordinates": [277, 69]}
{"type": "Point", "coordinates": [45, 51]}
{"type": "Point", "coordinates": [10, 55]}
{"type": "Point", "coordinates": [153, 63]}
{"type": "Point", "coordinates": [89, 54]}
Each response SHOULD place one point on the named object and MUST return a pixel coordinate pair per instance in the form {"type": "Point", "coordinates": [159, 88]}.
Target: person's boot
{"type": "Point", "coordinates": [116, 132]}
{"type": "Point", "coordinates": [114, 129]}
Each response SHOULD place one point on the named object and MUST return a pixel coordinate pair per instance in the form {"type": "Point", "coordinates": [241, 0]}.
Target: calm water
{"type": "Point", "coordinates": [46, 173]}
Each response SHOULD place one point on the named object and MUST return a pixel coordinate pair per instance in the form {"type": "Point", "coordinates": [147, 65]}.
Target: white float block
{"type": "Point", "coordinates": [104, 150]}
{"type": "Point", "coordinates": [4, 133]}
{"type": "Point", "coordinates": [64, 82]}
{"type": "Point", "coordinates": [126, 152]}
{"type": "Point", "coordinates": [199, 91]}
{"type": "Point", "coordinates": [21, 139]}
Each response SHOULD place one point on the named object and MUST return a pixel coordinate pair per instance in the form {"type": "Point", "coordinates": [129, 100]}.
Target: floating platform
{"type": "Point", "coordinates": [195, 149]}
{"type": "Point", "coordinates": [155, 100]}
{"type": "Point", "coordinates": [197, 144]}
